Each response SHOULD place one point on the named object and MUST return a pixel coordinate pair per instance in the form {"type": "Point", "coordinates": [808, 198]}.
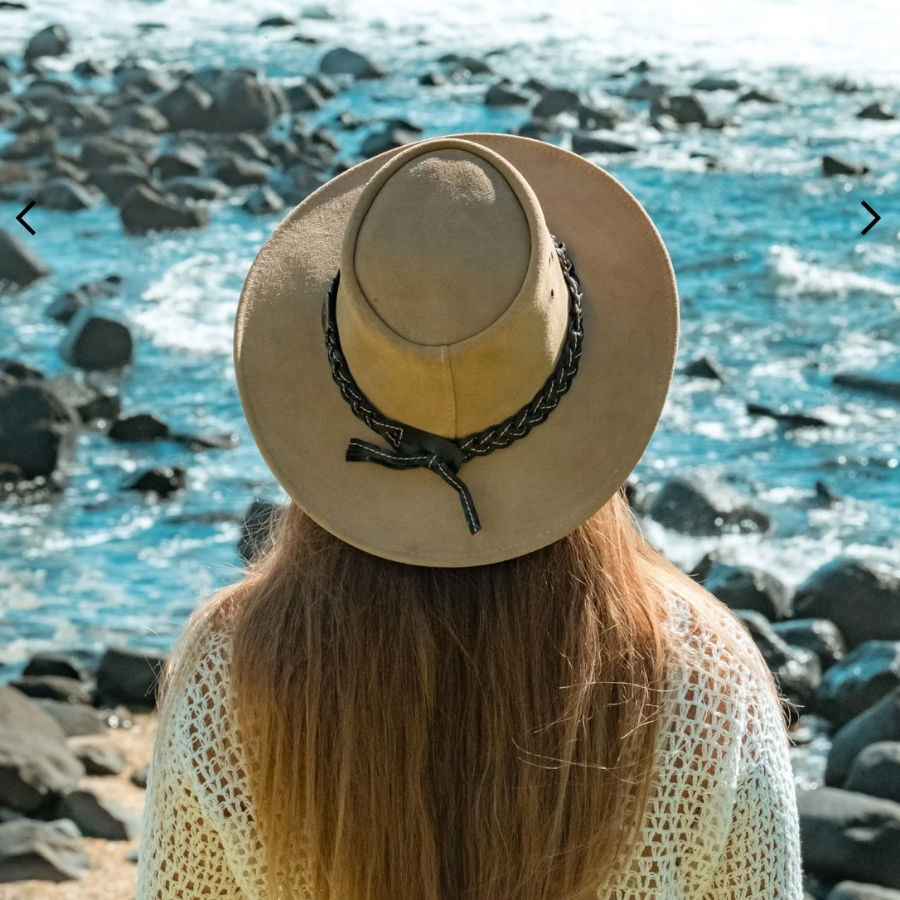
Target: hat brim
{"type": "Point", "coordinates": [529, 494]}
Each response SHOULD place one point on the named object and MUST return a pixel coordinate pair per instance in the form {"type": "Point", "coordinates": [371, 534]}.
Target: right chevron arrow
{"type": "Point", "coordinates": [877, 217]}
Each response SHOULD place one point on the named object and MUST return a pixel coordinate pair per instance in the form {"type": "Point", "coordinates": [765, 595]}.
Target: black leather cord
{"type": "Point", "coordinates": [414, 448]}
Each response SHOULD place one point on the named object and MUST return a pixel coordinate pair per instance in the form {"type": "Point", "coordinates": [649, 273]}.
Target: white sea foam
{"type": "Point", "coordinates": [796, 276]}
{"type": "Point", "coordinates": [192, 305]}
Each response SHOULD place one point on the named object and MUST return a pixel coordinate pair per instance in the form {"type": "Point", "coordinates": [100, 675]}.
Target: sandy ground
{"type": "Point", "coordinates": [112, 876]}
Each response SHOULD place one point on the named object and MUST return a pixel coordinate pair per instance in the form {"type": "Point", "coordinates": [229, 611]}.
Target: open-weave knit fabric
{"type": "Point", "coordinates": [722, 825]}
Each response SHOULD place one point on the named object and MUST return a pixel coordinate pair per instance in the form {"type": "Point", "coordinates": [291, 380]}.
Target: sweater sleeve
{"type": "Point", "coordinates": [181, 854]}
{"type": "Point", "coordinates": [761, 858]}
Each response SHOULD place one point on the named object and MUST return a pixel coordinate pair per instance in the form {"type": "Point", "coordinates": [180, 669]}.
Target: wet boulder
{"type": "Point", "coordinates": [98, 754]}
{"type": "Point", "coordinates": [861, 597]}
{"type": "Point", "coordinates": [41, 851]}
{"type": "Point", "coordinates": [163, 481]}
{"type": "Point", "coordinates": [504, 94]}
{"type": "Point", "coordinates": [186, 106]}
{"type": "Point", "coordinates": [387, 139]}
{"type": "Point", "coordinates": [74, 718]}
{"type": "Point", "coordinates": [870, 382]}
{"type": "Point", "coordinates": [53, 687]}
{"type": "Point", "coordinates": [117, 180]}
{"type": "Point", "coordinates": [880, 722]}
{"type": "Point", "coordinates": [241, 102]}
{"type": "Point", "coordinates": [703, 507]}
{"type": "Point", "coordinates": [38, 432]}
{"type": "Point", "coordinates": [704, 367]}
{"type": "Point", "coordinates": [139, 427]}
{"type": "Point", "coordinates": [881, 112]}
{"type": "Point", "coordinates": [144, 210]}
{"type": "Point", "coordinates": [237, 171]}
{"type": "Point", "coordinates": [747, 587]}
{"type": "Point", "coordinates": [130, 677]}
{"type": "Point", "coordinates": [100, 817]}
{"type": "Point", "coordinates": [858, 681]}
{"type": "Point", "coordinates": [848, 835]}
{"type": "Point", "coordinates": [556, 101]}
{"type": "Point", "coordinates": [755, 96]}
{"type": "Point", "coordinates": [54, 40]}
{"type": "Point", "coordinates": [91, 403]}
{"type": "Point", "coordinates": [714, 83]}
{"type": "Point", "coordinates": [20, 266]}
{"type": "Point", "coordinates": [35, 763]}
{"type": "Point", "coordinates": [819, 635]}
{"type": "Point", "coordinates": [97, 343]}
{"type": "Point", "coordinates": [341, 61]}
{"type": "Point", "coordinates": [832, 165]}
{"type": "Point", "coordinates": [876, 771]}
{"type": "Point", "coordinates": [583, 142]}
{"type": "Point", "coordinates": [66, 195]}
{"type": "Point", "coordinates": [263, 201]}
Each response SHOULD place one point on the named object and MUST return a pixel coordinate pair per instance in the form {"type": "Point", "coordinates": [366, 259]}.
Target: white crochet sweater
{"type": "Point", "coordinates": [728, 830]}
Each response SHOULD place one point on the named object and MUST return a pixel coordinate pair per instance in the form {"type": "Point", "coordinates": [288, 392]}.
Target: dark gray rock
{"type": "Point", "coordinates": [53, 687]}
{"type": "Point", "coordinates": [98, 754]}
{"type": "Point", "coordinates": [88, 68]}
{"type": "Point", "coordinates": [713, 83]}
{"type": "Point", "coordinates": [241, 102]}
{"type": "Point", "coordinates": [236, 171]}
{"type": "Point", "coordinates": [876, 771]}
{"type": "Point", "coordinates": [38, 432]}
{"type": "Point", "coordinates": [276, 22]}
{"type": "Point", "coordinates": [846, 835]}
{"type": "Point", "coordinates": [19, 371]}
{"type": "Point", "coordinates": [129, 676]}
{"type": "Point", "coordinates": [504, 94]}
{"type": "Point", "coordinates": [74, 718]}
{"type": "Point", "coordinates": [880, 722]}
{"type": "Point", "coordinates": [790, 419]}
{"type": "Point", "coordinates": [186, 106]}
{"type": "Point", "coordinates": [144, 210]}
{"type": "Point", "coordinates": [225, 441]}
{"type": "Point", "coordinates": [592, 119]}
{"type": "Point", "coordinates": [31, 144]}
{"type": "Point", "coordinates": [746, 587]}
{"type": "Point", "coordinates": [861, 597]}
{"type": "Point", "coordinates": [432, 79]}
{"type": "Point", "coordinates": [91, 403]}
{"type": "Point", "coordinates": [388, 139]}
{"type": "Point", "coordinates": [701, 507]}
{"type": "Point", "coordinates": [645, 89]}
{"type": "Point", "coordinates": [263, 201]}
{"type": "Point", "coordinates": [117, 180]}
{"type": "Point", "coordinates": [142, 78]}
{"type": "Point", "coordinates": [190, 187]}
{"type": "Point", "coordinates": [97, 343]}
{"type": "Point", "coordinates": [341, 61]}
{"type": "Point", "coordinates": [100, 817]}
{"type": "Point", "coordinates": [819, 635]}
{"type": "Point", "coordinates": [99, 152]}
{"type": "Point", "coordinates": [685, 109]}
{"type": "Point", "coordinates": [796, 670]}
{"type": "Point", "coordinates": [40, 851]}
{"type": "Point", "coordinates": [45, 662]}
{"type": "Point", "coordinates": [178, 162]}
{"type": "Point", "coordinates": [304, 97]}
{"type": "Point", "coordinates": [704, 367]}
{"type": "Point", "coordinates": [466, 66]}
{"type": "Point", "coordinates": [831, 166]}
{"type": "Point", "coordinates": [54, 40]}
{"type": "Point", "coordinates": [879, 111]}
{"type": "Point", "coordinates": [35, 763]}
{"type": "Point", "coordinates": [256, 528]}
{"type": "Point", "coordinates": [756, 96]}
{"type": "Point", "coordinates": [590, 143]}
{"type": "Point", "coordinates": [856, 683]}
{"type": "Point", "coordinates": [885, 387]}
{"type": "Point", "coordinates": [80, 119]}
{"type": "Point", "coordinates": [66, 195]}
{"type": "Point", "coordinates": [20, 266]}
{"type": "Point", "coordinates": [141, 116]}
{"type": "Point", "coordinates": [556, 101]}
{"type": "Point", "coordinates": [139, 427]}
{"type": "Point", "coordinates": [163, 481]}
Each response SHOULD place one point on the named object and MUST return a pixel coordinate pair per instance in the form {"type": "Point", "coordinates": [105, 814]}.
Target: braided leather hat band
{"type": "Point", "coordinates": [415, 448]}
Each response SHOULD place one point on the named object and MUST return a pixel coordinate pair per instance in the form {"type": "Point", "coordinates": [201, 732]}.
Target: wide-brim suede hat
{"type": "Point", "coordinates": [456, 352]}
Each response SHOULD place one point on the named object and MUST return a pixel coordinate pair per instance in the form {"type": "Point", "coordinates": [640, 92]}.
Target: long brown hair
{"type": "Point", "coordinates": [483, 733]}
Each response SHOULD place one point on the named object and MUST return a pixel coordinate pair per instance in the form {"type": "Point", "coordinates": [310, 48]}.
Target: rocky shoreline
{"type": "Point", "coordinates": [164, 148]}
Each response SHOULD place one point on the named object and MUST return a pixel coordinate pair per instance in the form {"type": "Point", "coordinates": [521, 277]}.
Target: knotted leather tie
{"type": "Point", "coordinates": [420, 449]}
{"type": "Point", "coordinates": [414, 448]}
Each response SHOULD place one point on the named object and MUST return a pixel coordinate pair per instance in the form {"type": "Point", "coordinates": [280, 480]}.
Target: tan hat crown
{"type": "Point", "coordinates": [452, 306]}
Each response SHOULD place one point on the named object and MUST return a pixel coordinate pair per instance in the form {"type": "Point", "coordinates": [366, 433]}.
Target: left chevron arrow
{"type": "Point", "coordinates": [20, 217]}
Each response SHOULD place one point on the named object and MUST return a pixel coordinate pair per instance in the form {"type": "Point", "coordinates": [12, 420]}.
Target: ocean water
{"type": "Point", "coordinates": [776, 281]}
